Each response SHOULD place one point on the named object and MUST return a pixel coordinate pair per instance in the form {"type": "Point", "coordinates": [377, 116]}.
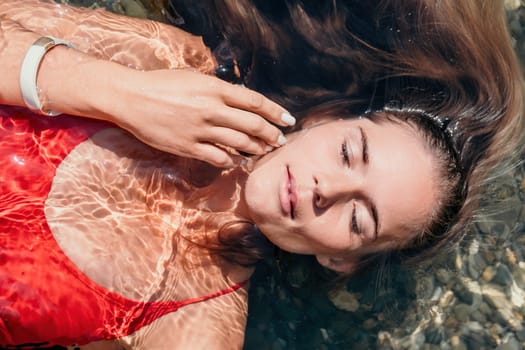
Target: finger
{"type": "Point", "coordinates": [243, 98]}
{"type": "Point", "coordinates": [216, 156]}
{"type": "Point", "coordinates": [238, 140]}
{"type": "Point", "coordinates": [250, 124]}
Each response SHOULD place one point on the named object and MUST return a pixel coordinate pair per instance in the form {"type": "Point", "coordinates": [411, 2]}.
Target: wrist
{"type": "Point", "coordinates": [75, 83]}
{"type": "Point", "coordinates": [29, 73]}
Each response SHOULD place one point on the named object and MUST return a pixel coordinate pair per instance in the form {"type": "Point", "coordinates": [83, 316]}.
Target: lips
{"type": "Point", "coordinates": [287, 193]}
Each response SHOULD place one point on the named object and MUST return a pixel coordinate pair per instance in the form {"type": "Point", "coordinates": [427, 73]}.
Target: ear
{"type": "Point", "coordinates": [345, 265]}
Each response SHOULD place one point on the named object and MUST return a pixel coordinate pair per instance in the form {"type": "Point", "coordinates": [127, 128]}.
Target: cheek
{"type": "Point", "coordinates": [331, 233]}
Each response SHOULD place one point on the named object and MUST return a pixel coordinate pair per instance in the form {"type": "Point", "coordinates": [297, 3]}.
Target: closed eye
{"type": "Point", "coordinates": [366, 159]}
{"type": "Point", "coordinates": [345, 154]}
{"type": "Point", "coordinates": [355, 226]}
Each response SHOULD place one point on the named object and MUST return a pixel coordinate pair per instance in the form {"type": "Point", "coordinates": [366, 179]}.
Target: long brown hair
{"type": "Point", "coordinates": [451, 60]}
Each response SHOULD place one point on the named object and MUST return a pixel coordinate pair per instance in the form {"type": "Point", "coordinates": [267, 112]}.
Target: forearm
{"type": "Point", "coordinates": [78, 81]}
{"type": "Point", "coordinates": [66, 77]}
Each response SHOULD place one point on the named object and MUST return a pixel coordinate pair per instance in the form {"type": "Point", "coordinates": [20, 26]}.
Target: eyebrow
{"type": "Point", "coordinates": [373, 207]}
{"type": "Point", "coordinates": [364, 143]}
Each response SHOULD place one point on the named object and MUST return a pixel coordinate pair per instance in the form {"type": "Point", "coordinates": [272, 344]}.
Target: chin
{"type": "Point", "coordinates": [258, 192]}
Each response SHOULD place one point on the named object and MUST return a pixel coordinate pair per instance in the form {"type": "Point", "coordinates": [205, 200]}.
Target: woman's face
{"type": "Point", "coordinates": [343, 186]}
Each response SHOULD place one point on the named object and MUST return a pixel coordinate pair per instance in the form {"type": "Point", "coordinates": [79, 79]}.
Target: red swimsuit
{"type": "Point", "coordinates": [44, 298]}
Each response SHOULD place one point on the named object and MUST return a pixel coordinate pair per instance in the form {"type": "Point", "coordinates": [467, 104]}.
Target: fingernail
{"type": "Point", "coordinates": [243, 162]}
{"type": "Point", "coordinates": [268, 148]}
{"type": "Point", "coordinates": [281, 140]}
{"type": "Point", "coordinates": [288, 119]}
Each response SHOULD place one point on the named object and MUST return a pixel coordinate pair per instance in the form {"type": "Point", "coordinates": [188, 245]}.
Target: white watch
{"type": "Point", "coordinates": [29, 71]}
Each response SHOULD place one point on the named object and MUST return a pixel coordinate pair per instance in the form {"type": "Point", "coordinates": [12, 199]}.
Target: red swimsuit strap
{"type": "Point", "coordinates": [153, 310]}
{"type": "Point", "coordinates": [224, 291]}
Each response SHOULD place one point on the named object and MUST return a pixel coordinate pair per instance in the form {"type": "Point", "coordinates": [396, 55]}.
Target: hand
{"type": "Point", "coordinates": [179, 111]}
{"type": "Point", "coordinates": [194, 115]}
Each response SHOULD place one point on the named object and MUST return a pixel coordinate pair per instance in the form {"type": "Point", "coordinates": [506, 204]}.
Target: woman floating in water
{"type": "Point", "coordinates": [106, 242]}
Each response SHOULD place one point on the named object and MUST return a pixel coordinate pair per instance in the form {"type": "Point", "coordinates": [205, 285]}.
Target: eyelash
{"type": "Point", "coordinates": [355, 227]}
{"type": "Point", "coordinates": [346, 160]}
{"type": "Point", "coordinates": [344, 154]}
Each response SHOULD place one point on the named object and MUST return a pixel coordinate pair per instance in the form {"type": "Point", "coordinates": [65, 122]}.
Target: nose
{"type": "Point", "coordinates": [330, 189]}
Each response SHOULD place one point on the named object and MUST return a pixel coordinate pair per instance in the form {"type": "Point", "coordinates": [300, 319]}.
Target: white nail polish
{"type": "Point", "coordinates": [288, 119]}
{"type": "Point", "coordinates": [268, 148]}
{"type": "Point", "coordinates": [281, 140]}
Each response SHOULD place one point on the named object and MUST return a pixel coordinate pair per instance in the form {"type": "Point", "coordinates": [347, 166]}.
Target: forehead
{"type": "Point", "coordinates": [402, 172]}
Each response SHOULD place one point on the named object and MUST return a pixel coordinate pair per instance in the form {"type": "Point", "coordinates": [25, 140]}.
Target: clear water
{"type": "Point", "coordinates": [472, 298]}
